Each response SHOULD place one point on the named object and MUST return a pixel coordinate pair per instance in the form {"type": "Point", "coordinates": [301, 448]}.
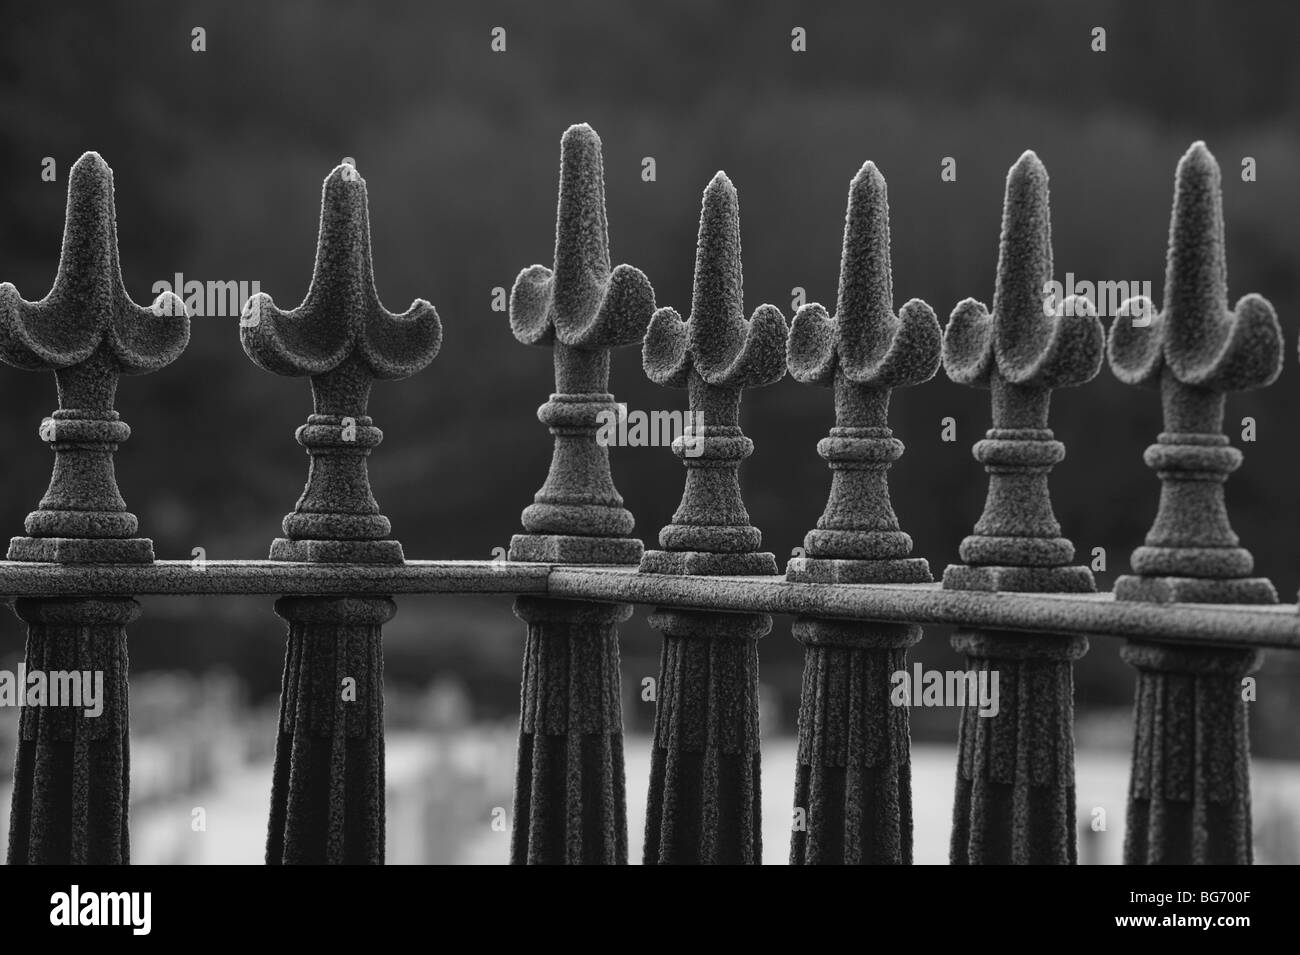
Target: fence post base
{"type": "Point", "coordinates": [327, 794]}
{"type": "Point", "coordinates": [72, 774]}
{"type": "Point", "coordinates": [570, 797]}
{"type": "Point", "coordinates": [705, 796]}
{"type": "Point", "coordinates": [1015, 771]}
{"type": "Point", "coordinates": [1189, 792]}
{"type": "Point", "coordinates": [853, 778]}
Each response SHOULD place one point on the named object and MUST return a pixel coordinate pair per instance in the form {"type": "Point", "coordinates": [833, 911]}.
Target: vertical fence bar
{"type": "Point", "coordinates": [705, 797]}
{"type": "Point", "coordinates": [72, 782]}
{"type": "Point", "coordinates": [853, 775]}
{"type": "Point", "coordinates": [570, 793]}
{"type": "Point", "coordinates": [1189, 792]}
{"type": "Point", "coordinates": [327, 800]}
{"type": "Point", "coordinates": [72, 774]}
{"type": "Point", "coordinates": [853, 781]}
{"type": "Point", "coordinates": [570, 804]}
{"type": "Point", "coordinates": [704, 800]}
{"type": "Point", "coordinates": [1015, 772]}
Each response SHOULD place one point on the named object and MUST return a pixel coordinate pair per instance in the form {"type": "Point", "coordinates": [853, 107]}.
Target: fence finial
{"type": "Point", "coordinates": [1015, 788]}
{"type": "Point", "coordinates": [1195, 351]}
{"type": "Point", "coordinates": [343, 338]}
{"type": "Point", "coordinates": [569, 793]}
{"type": "Point", "coordinates": [704, 802]}
{"type": "Point", "coordinates": [71, 782]}
{"type": "Point", "coordinates": [71, 779]}
{"type": "Point", "coordinates": [864, 352]}
{"type": "Point", "coordinates": [1022, 354]}
{"type": "Point", "coordinates": [1190, 803]}
{"type": "Point", "coordinates": [853, 774]}
{"type": "Point", "coordinates": [327, 793]}
{"type": "Point", "coordinates": [716, 354]}
{"type": "Point", "coordinates": [88, 331]}
{"type": "Point", "coordinates": [582, 310]}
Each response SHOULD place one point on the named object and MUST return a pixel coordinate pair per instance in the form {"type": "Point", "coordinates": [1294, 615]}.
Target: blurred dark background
{"type": "Point", "coordinates": [219, 156]}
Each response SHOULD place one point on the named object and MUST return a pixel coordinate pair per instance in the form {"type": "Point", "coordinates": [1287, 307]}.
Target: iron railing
{"type": "Point", "coordinates": [1193, 617]}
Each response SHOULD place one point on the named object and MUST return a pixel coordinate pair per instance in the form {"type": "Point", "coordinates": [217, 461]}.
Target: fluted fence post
{"type": "Point", "coordinates": [72, 772]}
{"type": "Point", "coordinates": [853, 773]}
{"type": "Point", "coordinates": [570, 804]}
{"type": "Point", "coordinates": [705, 793]}
{"type": "Point", "coordinates": [327, 799]}
{"type": "Point", "coordinates": [1189, 791]}
{"type": "Point", "coordinates": [1015, 774]}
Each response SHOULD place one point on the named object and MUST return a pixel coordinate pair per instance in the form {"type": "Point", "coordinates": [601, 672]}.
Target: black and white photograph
{"type": "Point", "coordinates": [691, 433]}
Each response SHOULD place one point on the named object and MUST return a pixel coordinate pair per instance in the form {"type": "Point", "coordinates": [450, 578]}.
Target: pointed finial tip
{"type": "Point", "coordinates": [90, 158]}
{"type": "Point", "coordinates": [580, 144]}
{"type": "Point", "coordinates": [91, 167]}
{"type": "Point", "coordinates": [580, 132]}
{"type": "Point", "coordinates": [720, 194]}
{"type": "Point", "coordinates": [868, 174]}
{"type": "Point", "coordinates": [1028, 162]}
{"type": "Point", "coordinates": [90, 187]}
{"type": "Point", "coordinates": [1030, 175]}
{"type": "Point", "coordinates": [580, 150]}
{"type": "Point", "coordinates": [345, 172]}
{"type": "Point", "coordinates": [1198, 157]}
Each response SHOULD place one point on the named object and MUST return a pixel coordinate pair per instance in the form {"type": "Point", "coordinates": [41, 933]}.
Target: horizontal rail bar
{"type": "Point", "coordinates": [1276, 625]}
{"type": "Point", "coordinates": [21, 579]}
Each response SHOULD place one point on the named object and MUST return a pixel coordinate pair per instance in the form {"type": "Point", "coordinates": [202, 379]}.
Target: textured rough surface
{"type": "Point", "coordinates": [1189, 793]}
{"type": "Point", "coordinates": [715, 355]}
{"type": "Point", "coordinates": [1015, 776]}
{"type": "Point", "coordinates": [327, 798]}
{"type": "Point", "coordinates": [705, 803]}
{"type": "Point", "coordinates": [1021, 354]}
{"type": "Point", "coordinates": [864, 352]}
{"type": "Point", "coordinates": [1189, 790]}
{"type": "Point", "coordinates": [327, 794]}
{"type": "Point", "coordinates": [1262, 625]}
{"type": "Point", "coordinates": [570, 802]}
{"type": "Point", "coordinates": [343, 338]}
{"type": "Point", "coordinates": [1092, 614]}
{"type": "Point", "coordinates": [580, 309]}
{"type": "Point", "coordinates": [854, 768]}
{"type": "Point", "coordinates": [274, 577]}
{"type": "Point", "coordinates": [1195, 351]}
{"type": "Point", "coordinates": [570, 805]}
{"type": "Point", "coordinates": [1014, 803]}
{"type": "Point", "coordinates": [854, 771]}
{"type": "Point", "coordinates": [88, 332]}
{"type": "Point", "coordinates": [71, 778]}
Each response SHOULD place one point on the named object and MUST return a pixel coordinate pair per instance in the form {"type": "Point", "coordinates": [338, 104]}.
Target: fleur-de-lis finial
{"type": "Point", "coordinates": [854, 784]}
{"type": "Point", "coordinates": [343, 338]}
{"type": "Point", "coordinates": [88, 331]}
{"type": "Point", "coordinates": [581, 309]}
{"type": "Point", "coordinates": [1029, 346]}
{"type": "Point", "coordinates": [1195, 351]}
{"type": "Point", "coordinates": [864, 352]}
{"type": "Point", "coordinates": [715, 355]}
{"type": "Point", "coordinates": [707, 709]}
{"type": "Point", "coordinates": [1022, 351]}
